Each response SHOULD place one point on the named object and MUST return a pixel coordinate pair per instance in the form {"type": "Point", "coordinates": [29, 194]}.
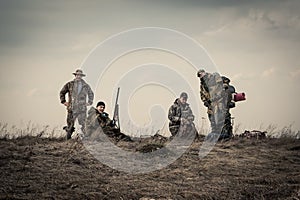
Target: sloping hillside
{"type": "Point", "coordinates": [37, 168]}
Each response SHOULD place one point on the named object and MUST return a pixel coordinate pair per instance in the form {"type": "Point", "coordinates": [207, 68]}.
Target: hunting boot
{"type": "Point", "coordinates": [226, 132]}
{"type": "Point", "coordinates": [69, 131]}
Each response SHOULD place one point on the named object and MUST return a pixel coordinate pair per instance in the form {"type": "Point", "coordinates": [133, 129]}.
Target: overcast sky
{"type": "Point", "coordinates": [255, 43]}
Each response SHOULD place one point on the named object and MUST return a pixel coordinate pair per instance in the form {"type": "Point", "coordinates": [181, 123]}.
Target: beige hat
{"type": "Point", "coordinates": [79, 72]}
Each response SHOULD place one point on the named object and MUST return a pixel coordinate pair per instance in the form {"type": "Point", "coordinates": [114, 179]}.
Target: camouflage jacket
{"type": "Point", "coordinates": [178, 111]}
{"type": "Point", "coordinates": [96, 119]}
{"type": "Point", "coordinates": [77, 101]}
{"type": "Point", "coordinates": [211, 89]}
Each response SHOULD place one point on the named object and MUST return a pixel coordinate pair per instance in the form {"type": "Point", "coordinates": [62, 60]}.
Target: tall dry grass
{"type": "Point", "coordinates": [8, 131]}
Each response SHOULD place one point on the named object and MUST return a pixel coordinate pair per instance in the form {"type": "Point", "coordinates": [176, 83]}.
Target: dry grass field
{"type": "Point", "coordinates": [45, 168]}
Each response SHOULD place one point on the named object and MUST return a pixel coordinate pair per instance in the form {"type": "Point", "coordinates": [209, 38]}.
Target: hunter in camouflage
{"type": "Point", "coordinates": [80, 95]}
{"type": "Point", "coordinates": [98, 118]}
{"type": "Point", "coordinates": [181, 116]}
{"type": "Point", "coordinates": [98, 121]}
{"type": "Point", "coordinates": [214, 97]}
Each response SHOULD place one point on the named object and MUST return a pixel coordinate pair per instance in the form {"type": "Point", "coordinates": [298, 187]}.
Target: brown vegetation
{"type": "Point", "coordinates": [42, 168]}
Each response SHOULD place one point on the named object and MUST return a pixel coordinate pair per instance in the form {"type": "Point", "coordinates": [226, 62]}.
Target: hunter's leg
{"type": "Point", "coordinates": [81, 121]}
{"type": "Point", "coordinates": [70, 122]}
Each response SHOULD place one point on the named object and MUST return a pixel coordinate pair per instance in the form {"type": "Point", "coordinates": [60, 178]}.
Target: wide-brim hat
{"type": "Point", "coordinates": [79, 72]}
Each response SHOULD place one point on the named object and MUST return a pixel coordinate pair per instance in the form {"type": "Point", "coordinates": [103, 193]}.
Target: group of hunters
{"type": "Point", "coordinates": [215, 91]}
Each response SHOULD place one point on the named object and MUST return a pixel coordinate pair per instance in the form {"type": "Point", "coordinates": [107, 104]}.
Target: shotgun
{"type": "Point", "coordinates": [116, 111]}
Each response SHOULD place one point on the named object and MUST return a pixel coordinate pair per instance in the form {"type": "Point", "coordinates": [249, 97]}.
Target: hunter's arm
{"type": "Point", "coordinates": [190, 117]}
{"type": "Point", "coordinates": [172, 116]}
{"type": "Point", "coordinates": [90, 95]}
{"type": "Point", "coordinates": [63, 92]}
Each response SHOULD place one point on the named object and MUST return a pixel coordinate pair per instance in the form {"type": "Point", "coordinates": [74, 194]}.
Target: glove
{"type": "Point", "coordinates": [112, 123]}
{"type": "Point", "coordinates": [207, 103]}
{"type": "Point", "coordinates": [231, 105]}
{"type": "Point", "coordinates": [103, 115]}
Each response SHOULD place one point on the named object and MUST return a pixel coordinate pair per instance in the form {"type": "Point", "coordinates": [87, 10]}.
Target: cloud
{"type": "Point", "coordinates": [216, 30]}
{"type": "Point", "coordinates": [268, 72]}
{"type": "Point", "coordinates": [262, 18]}
{"type": "Point", "coordinates": [295, 74]}
{"type": "Point", "coordinates": [32, 92]}
{"type": "Point", "coordinates": [274, 21]}
{"type": "Point", "coordinates": [237, 77]}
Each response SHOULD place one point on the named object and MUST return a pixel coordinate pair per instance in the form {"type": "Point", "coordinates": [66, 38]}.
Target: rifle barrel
{"type": "Point", "coordinates": [117, 98]}
{"type": "Point", "coordinates": [116, 111]}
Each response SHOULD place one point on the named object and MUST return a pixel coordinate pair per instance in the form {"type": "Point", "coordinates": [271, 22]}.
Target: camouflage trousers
{"type": "Point", "coordinates": [71, 117]}
{"type": "Point", "coordinates": [219, 116]}
{"type": "Point", "coordinates": [174, 129]}
{"type": "Point", "coordinates": [227, 128]}
{"type": "Point", "coordinates": [183, 129]}
{"type": "Point", "coordinates": [220, 121]}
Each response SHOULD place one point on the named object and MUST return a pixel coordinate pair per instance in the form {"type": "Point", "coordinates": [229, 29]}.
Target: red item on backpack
{"type": "Point", "coordinates": [239, 97]}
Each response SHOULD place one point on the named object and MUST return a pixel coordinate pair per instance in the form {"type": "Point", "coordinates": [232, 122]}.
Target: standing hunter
{"type": "Point", "coordinates": [181, 116]}
{"type": "Point", "coordinates": [80, 95]}
{"type": "Point", "coordinates": [215, 98]}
